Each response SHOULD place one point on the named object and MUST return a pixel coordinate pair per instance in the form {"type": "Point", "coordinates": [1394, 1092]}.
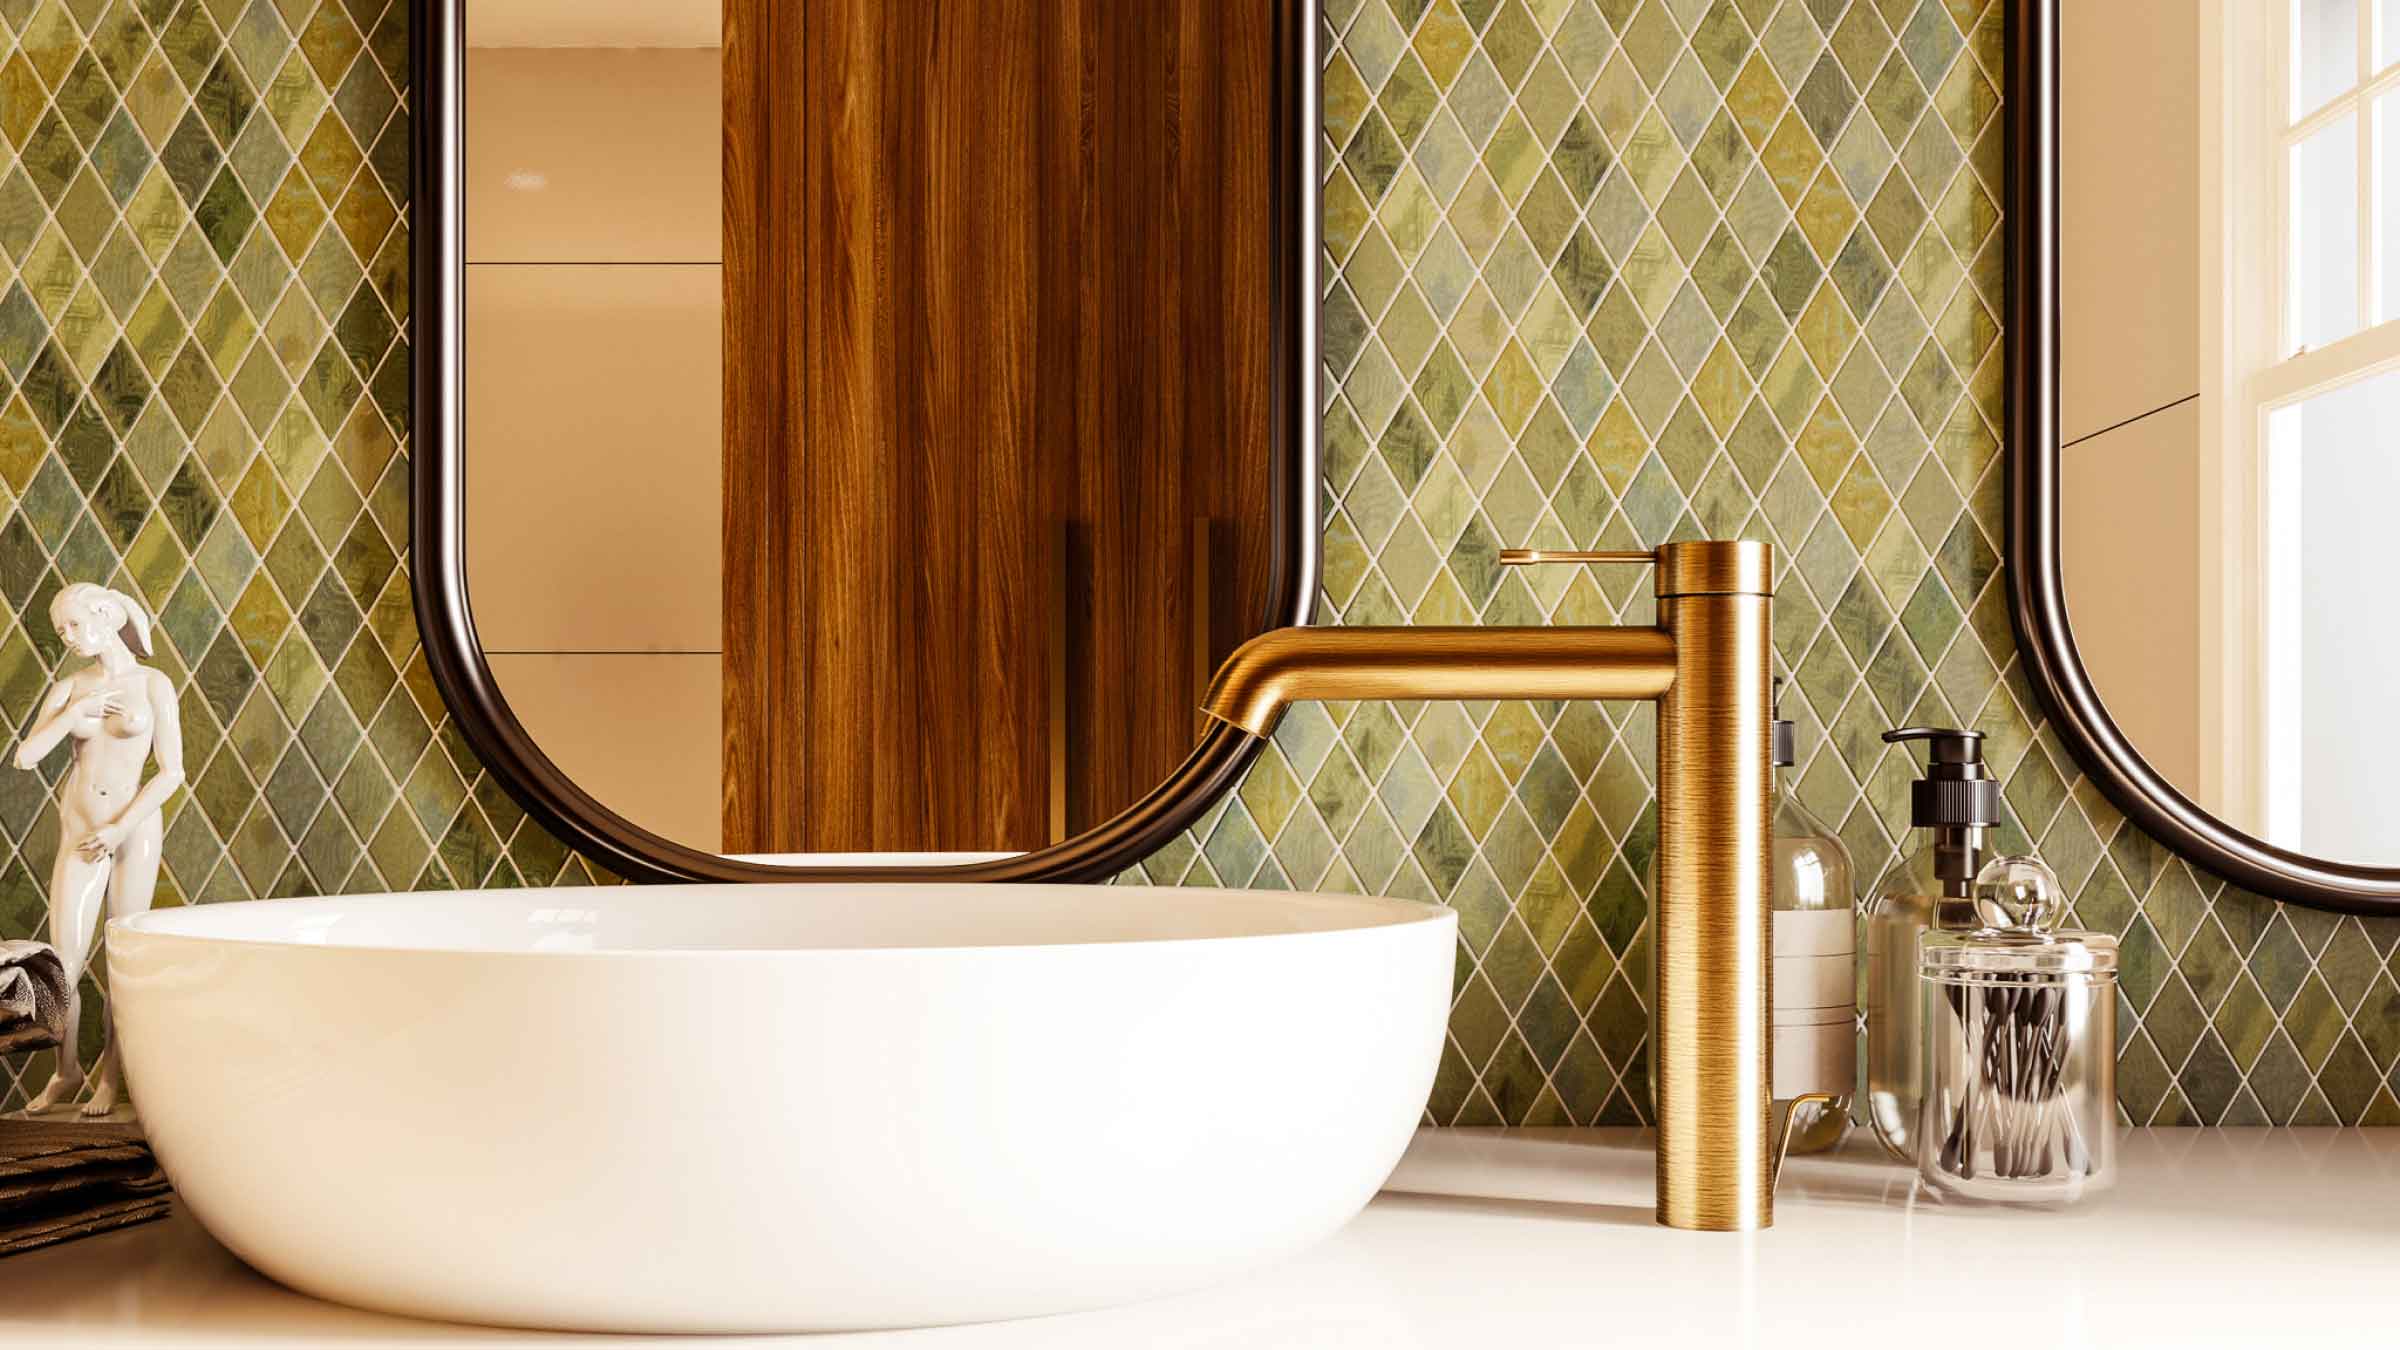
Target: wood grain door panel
{"type": "Point", "coordinates": [1002, 404]}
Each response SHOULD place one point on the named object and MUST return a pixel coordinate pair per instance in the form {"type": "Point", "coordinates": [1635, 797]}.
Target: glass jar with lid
{"type": "Point", "coordinates": [2019, 1021]}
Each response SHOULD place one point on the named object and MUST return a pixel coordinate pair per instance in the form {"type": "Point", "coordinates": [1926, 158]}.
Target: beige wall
{"type": "Point", "coordinates": [2128, 212]}
{"type": "Point", "coordinates": [594, 23]}
{"type": "Point", "coordinates": [593, 316]}
{"type": "Point", "coordinates": [594, 156]}
{"type": "Point", "coordinates": [2129, 359]}
{"type": "Point", "coordinates": [639, 732]}
{"type": "Point", "coordinates": [592, 457]}
{"type": "Point", "coordinates": [2129, 523]}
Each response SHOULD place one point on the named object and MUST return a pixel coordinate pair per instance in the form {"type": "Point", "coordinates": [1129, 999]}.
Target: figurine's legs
{"type": "Point", "coordinates": [75, 896]}
{"type": "Point", "coordinates": [130, 885]}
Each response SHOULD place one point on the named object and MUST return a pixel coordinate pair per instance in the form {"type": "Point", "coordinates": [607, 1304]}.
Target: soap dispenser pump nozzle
{"type": "Point", "coordinates": [1957, 799]}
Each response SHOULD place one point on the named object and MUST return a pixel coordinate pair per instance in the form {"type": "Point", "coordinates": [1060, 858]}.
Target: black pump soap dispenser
{"type": "Point", "coordinates": [1931, 886]}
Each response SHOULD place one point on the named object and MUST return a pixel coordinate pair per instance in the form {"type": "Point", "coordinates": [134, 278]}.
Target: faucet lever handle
{"type": "Point", "coordinates": [1523, 557]}
{"type": "Point", "coordinates": [1784, 1122]}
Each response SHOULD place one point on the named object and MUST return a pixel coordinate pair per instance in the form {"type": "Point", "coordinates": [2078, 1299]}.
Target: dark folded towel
{"type": "Point", "coordinates": [33, 997]}
{"type": "Point", "coordinates": [70, 1179]}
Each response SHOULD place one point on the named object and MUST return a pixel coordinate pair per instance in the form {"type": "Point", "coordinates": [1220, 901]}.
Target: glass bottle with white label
{"type": "Point", "coordinates": [1815, 1021]}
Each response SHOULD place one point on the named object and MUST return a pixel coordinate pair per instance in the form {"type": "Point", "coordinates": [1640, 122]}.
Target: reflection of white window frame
{"type": "Point", "coordinates": [2251, 370]}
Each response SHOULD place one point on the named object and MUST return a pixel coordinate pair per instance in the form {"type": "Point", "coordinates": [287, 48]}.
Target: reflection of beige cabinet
{"type": "Point", "coordinates": [2130, 365]}
{"type": "Point", "coordinates": [593, 320]}
{"type": "Point", "coordinates": [2129, 516]}
{"type": "Point", "coordinates": [610, 156]}
{"type": "Point", "coordinates": [592, 413]}
{"type": "Point", "coordinates": [2129, 211]}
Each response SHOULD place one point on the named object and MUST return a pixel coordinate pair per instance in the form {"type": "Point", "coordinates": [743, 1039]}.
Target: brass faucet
{"type": "Point", "coordinates": [1706, 666]}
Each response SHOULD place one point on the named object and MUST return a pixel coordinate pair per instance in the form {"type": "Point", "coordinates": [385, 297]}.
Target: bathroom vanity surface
{"type": "Point", "coordinates": [1544, 1237]}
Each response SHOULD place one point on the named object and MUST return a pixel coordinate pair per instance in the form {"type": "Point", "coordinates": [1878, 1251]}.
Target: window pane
{"type": "Point", "coordinates": [2387, 32]}
{"type": "Point", "coordinates": [2324, 51]}
{"type": "Point", "coordinates": [2333, 481]}
{"type": "Point", "coordinates": [2387, 205]}
{"type": "Point", "coordinates": [2324, 236]}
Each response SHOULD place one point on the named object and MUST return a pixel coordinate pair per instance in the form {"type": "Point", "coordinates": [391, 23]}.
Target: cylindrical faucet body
{"type": "Point", "coordinates": [1709, 1030]}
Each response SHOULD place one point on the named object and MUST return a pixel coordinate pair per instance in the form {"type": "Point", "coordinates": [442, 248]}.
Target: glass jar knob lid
{"type": "Point", "coordinates": [2019, 894]}
{"type": "Point", "coordinates": [2021, 905]}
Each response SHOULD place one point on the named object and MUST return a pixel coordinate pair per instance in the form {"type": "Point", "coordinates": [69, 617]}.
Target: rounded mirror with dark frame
{"type": "Point", "coordinates": [874, 433]}
{"type": "Point", "coordinates": [2204, 341]}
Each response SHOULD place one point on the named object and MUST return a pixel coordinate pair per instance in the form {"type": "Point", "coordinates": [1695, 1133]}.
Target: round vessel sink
{"type": "Point", "coordinates": [777, 1107]}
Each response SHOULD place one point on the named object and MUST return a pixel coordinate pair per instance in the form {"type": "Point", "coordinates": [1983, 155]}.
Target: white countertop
{"type": "Point", "coordinates": [1535, 1238]}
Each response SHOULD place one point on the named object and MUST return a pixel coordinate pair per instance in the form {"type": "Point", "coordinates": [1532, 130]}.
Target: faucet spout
{"type": "Point", "coordinates": [1271, 672]}
{"type": "Point", "coordinates": [1706, 665]}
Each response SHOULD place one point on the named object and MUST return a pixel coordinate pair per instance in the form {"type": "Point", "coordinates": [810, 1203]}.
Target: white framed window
{"type": "Point", "coordinates": [2301, 409]}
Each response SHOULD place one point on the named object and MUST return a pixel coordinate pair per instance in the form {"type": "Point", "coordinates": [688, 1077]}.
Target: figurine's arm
{"type": "Point", "coordinates": [57, 717]}
{"type": "Point", "coordinates": [166, 746]}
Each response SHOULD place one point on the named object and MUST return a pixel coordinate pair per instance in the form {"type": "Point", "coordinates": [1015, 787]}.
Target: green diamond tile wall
{"type": "Point", "coordinates": [1600, 272]}
{"type": "Point", "coordinates": [204, 402]}
{"type": "Point", "coordinates": [1612, 272]}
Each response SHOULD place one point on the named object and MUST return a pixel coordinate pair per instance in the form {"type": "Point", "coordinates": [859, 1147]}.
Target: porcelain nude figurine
{"type": "Point", "coordinates": [120, 715]}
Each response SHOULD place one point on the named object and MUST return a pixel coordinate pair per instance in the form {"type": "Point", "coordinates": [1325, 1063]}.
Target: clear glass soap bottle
{"type": "Point", "coordinates": [1932, 886]}
{"type": "Point", "coordinates": [1816, 967]}
{"type": "Point", "coordinates": [1814, 943]}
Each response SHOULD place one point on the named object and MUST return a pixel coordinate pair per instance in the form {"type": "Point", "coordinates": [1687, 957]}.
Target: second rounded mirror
{"type": "Point", "coordinates": [2229, 378]}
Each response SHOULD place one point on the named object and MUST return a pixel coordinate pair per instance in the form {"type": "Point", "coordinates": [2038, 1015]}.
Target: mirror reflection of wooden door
{"type": "Point", "coordinates": [1001, 406]}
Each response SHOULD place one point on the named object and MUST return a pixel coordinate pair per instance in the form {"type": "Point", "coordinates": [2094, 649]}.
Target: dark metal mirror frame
{"type": "Point", "coordinates": [437, 510]}
{"type": "Point", "coordinates": [2036, 591]}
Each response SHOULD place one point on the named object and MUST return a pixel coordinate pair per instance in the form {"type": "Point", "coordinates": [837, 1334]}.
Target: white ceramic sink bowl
{"type": "Point", "coordinates": [777, 1107]}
